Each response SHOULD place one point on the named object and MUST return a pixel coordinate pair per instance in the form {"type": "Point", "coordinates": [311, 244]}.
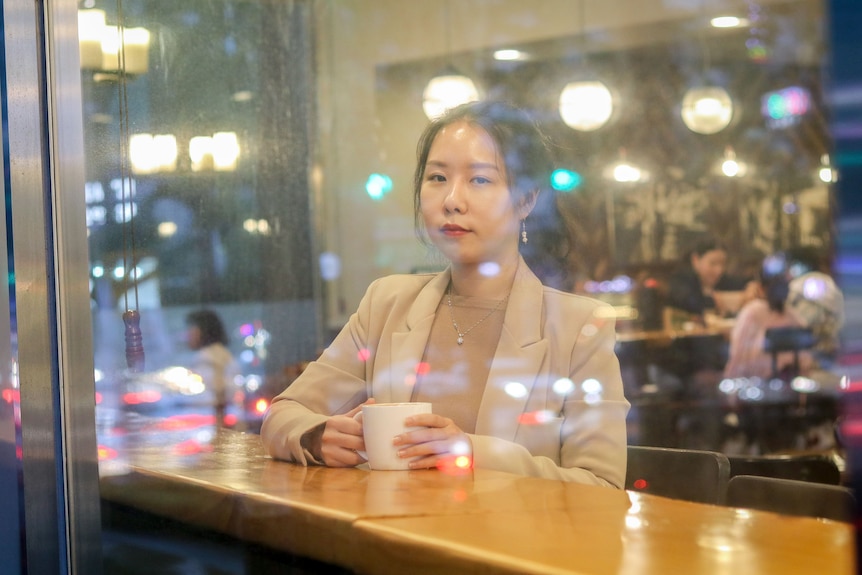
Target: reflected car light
{"type": "Point", "coordinates": [139, 397]}
{"type": "Point", "coordinates": [106, 453]}
{"type": "Point", "coordinates": [261, 405]}
{"type": "Point", "coordinates": [178, 422]}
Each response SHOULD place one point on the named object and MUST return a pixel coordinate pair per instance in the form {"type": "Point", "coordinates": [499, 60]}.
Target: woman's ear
{"type": "Point", "coordinates": [527, 203]}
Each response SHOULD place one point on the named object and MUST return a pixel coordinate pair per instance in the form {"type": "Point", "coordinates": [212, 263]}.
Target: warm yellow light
{"type": "Point", "coordinates": [91, 26]}
{"type": "Point", "coordinates": [445, 92]}
{"type": "Point", "coordinates": [150, 154]}
{"type": "Point", "coordinates": [586, 106]}
{"type": "Point", "coordinates": [707, 110]}
{"type": "Point", "coordinates": [167, 229]}
{"type": "Point", "coordinates": [626, 173]}
{"type": "Point", "coordinates": [225, 151]}
{"type": "Point", "coordinates": [728, 22]}
{"type": "Point", "coordinates": [136, 42]}
{"type": "Point", "coordinates": [201, 153]}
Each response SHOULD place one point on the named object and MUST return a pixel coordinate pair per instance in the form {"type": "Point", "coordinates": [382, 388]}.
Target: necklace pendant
{"type": "Point", "coordinates": [460, 339]}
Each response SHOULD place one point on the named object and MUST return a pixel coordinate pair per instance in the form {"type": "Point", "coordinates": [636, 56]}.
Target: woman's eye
{"type": "Point", "coordinates": [436, 178]}
{"type": "Point", "coordinates": [481, 180]}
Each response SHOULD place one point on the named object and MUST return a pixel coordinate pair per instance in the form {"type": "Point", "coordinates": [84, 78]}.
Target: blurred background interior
{"type": "Point", "coordinates": [255, 158]}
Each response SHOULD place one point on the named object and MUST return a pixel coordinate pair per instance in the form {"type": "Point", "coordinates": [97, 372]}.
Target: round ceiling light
{"type": "Point", "coordinates": [707, 110]}
{"type": "Point", "coordinates": [447, 91]}
{"type": "Point", "coordinates": [586, 106]}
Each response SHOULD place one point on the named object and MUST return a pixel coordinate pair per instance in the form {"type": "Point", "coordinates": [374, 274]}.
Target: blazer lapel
{"type": "Point", "coordinates": [408, 346]}
{"type": "Point", "coordinates": [519, 361]}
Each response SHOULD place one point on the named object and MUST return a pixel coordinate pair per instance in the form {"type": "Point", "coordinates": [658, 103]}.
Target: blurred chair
{"type": "Point", "coordinates": [791, 497]}
{"type": "Point", "coordinates": [787, 339]}
{"type": "Point", "coordinates": [814, 468]}
{"type": "Point", "coordinates": [688, 474]}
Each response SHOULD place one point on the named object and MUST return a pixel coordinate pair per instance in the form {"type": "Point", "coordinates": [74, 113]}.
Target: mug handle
{"type": "Point", "coordinates": [362, 454]}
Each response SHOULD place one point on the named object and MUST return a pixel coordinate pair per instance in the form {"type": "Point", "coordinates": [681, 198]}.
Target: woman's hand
{"type": "Point", "coordinates": [441, 444]}
{"type": "Point", "coordinates": [342, 438]}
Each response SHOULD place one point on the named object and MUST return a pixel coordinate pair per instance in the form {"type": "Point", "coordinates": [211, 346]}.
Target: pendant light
{"type": "Point", "coordinates": [706, 108]}
{"type": "Point", "coordinates": [450, 87]}
{"type": "Point", "coordinates": [586, 104]}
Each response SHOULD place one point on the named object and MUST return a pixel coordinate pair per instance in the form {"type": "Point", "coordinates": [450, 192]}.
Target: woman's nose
{"type": "Point", "coordinates": [455, 199]}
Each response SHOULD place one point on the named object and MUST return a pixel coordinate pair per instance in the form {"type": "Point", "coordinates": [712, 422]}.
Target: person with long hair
{"type": "Point", "coordinates": [213, 361]}
{"type": "Point", "coordinates": [522, 376]}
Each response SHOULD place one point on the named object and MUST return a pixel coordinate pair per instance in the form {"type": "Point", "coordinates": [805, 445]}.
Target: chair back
{"type": "Point", "coordinates": [792, 497]}
{"type": "Point", "coordinates": [815, 468]}
{"type": "Point", "coordinates": [782, 339]}
{"type": "Point", "coordinates": [687, 474]}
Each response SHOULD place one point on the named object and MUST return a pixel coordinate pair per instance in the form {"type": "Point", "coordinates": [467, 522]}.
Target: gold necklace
{"type": "Point", "coordinates": [455, 323]}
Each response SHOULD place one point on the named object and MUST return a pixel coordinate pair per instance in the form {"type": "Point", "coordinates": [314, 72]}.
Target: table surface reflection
{"type": "Point", "coordinates": [481, 521]}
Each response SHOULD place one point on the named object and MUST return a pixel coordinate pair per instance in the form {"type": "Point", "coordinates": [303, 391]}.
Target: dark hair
{"type": "Point", "coordinates": [211, 328]}
{"type": "Point", "coordinates": [776, 289]}
{"type": "Point", "coordinates": [707, 245]}
{"type": "Point", "coordinates": [528, 169]}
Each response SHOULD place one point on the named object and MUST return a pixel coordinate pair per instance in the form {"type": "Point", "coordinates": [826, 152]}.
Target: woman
{"type": "Point", "coordinates": [213, 362]}
{"type": "Point", "coordinates": [693, 288]}
{"type": "Point", "coordinates": [522, 374]}
{"type": "Point", "coordinates": [747, 355]}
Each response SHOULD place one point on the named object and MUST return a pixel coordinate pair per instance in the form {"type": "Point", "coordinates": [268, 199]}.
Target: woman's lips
{"type": "Point", "coordinates": [452, 230]}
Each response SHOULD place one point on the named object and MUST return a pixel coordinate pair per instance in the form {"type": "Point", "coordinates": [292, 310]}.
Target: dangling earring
{"type": "Point", "coordinates": [524, 231]}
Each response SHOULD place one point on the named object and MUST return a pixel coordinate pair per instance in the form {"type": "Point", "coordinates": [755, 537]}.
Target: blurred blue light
{"type": "Point", "coordinates": [378, 185]}
{"type": "Point", "coordinates": [565, 180]}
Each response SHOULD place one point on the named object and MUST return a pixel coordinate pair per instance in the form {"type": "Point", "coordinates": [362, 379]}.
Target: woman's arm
{"type": "Point", "coordinates": [333, 384]}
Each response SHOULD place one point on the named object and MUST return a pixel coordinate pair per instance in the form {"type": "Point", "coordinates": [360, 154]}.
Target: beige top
{"type": "Point", "coordinates": [453, 376]}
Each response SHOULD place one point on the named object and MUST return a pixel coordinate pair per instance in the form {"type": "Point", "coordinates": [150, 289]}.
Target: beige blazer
{"type": "Point", "coordinates": [553, 405]}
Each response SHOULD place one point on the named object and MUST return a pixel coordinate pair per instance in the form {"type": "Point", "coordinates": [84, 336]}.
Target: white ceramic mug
{"type": "Point", "coordinates": [381, 422]}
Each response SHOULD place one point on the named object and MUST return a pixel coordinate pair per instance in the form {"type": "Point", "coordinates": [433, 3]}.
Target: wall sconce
{"type": "Point", "coordinates": [707, 110]}
{"type": "Point", "coordinates": [150, 154]}
{"type": "Point", "coordinates": [219, 152]}
{"type": "Point", "coordinates": [100, 45]}
{"type": "Point", "coordinates": [586, 106]}
{"type": "Point", "coordinates": [447, 90]}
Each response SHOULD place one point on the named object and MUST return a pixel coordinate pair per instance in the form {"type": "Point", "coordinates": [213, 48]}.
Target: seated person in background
{"type": "Point", "coordinates": [692, 288]}
{"type": "Point", "coordinates": [747, 357]}
{"type": "Point", "coordinates": [816, 302]}
{"type": "Point", "coordinates": [213, 361]}
{"type": "Point", "coordinates": [520, 374]}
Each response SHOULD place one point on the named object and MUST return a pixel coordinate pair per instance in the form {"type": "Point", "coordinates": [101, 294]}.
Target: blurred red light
{"type": "Point", "coordinates": [137, 398]}
{"type": "Point", "coordinates": [11, 396]}
{"type": "Point", "coordinates": [98, 398]}
{"type": "Point", "coordinates": [230, 419]}
{"type": "Point", "coordinates": [640, 484]}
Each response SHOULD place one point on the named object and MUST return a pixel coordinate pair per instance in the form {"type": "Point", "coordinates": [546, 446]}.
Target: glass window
{"type": "Point", "coordinates": [255, 159]}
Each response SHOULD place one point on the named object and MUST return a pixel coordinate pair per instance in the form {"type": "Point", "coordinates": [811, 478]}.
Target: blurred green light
{"type": "Point", "coordinates": [378, 185]}
{"type": "Point", "coordinates": [565, 180]}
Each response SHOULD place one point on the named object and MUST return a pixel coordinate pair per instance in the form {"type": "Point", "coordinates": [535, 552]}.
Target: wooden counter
{"type": "Point", "coordinates": [478, 522]}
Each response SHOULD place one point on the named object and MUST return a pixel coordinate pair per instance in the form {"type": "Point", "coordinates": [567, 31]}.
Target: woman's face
{"type": "Point", "coordinates": [193, 337]}
{"type": "Point", "coordinates": [464, 198]}
{"type": "Point", "coordinates": [710, 266]}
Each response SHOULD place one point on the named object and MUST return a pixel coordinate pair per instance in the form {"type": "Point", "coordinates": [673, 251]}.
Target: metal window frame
{"type": "Point", "coordinates": [47, 241]}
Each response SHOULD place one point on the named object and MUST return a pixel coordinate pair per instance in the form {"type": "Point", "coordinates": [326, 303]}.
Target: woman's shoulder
{"type": "Point", "coordinates": [399, 284]}
{"type": "Point", "coordinates": [555, 298]}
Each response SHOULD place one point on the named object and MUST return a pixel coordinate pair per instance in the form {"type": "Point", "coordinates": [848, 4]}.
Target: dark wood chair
{"type": "Point", "coordinates": [814, 468]}
{"type": "Point", "coordinates": [791, 497]}
{"type": "Point", "coordinates": [688, 474]}
{"type": "Point", "coordinates": [787, 339]}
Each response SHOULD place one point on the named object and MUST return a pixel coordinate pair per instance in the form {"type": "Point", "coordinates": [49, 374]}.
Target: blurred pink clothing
{"type": "Point", "coordinates": [747, 358]}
